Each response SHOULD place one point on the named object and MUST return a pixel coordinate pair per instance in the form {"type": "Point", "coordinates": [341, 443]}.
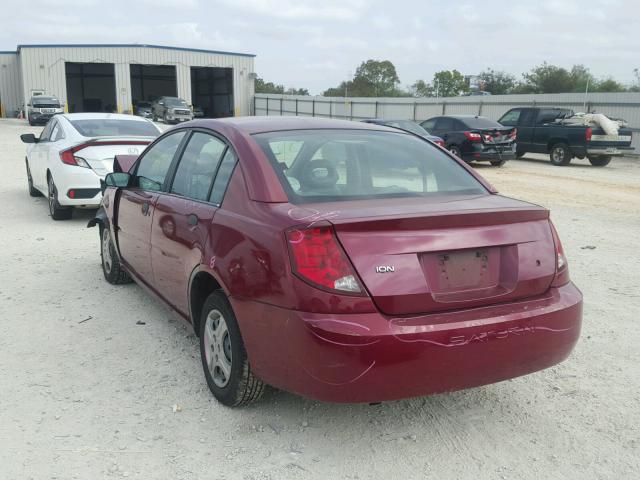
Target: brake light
{"type": "Point", "coordinates": [473, 137]}
{"type": "Point", "coordinates": [318, 259]}
{"type": "Point", "coordinates": [68, 156]}
{"type": "Point", "coordinates": [588, 133]}
{"type": "Point", "coordinates": [562, 267]}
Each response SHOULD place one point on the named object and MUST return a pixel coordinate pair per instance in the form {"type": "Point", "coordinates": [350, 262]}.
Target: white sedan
{"type": "Point", "coordinates": [75, 151]}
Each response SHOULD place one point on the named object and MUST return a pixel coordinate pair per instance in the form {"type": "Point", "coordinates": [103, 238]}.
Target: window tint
{"type": "Point", "coordinates": [286, 151]}
{"type": "Point", "coordinates": [336, 165]}
{"type": "Point", "coordinates": [445, 124]}
{"type": "Point", "coordinates": [547, 115]}
{"type": "Point", "coordinates": [155, 163]}
{"type": "Point", "coordinates": [511, 118]}
{"type": "Point", "coordinates": [46, 133]}
{"type": "Point", "coordinates": [429, 124]}
{"type": "Point", "coordinates": [480, 122]}
{"type": "Point", "coordinates": [222, 177]}
{"type": "Point", "coordinates": [197, 166]}
{"type": "Point", "coordinates": [115, 128]}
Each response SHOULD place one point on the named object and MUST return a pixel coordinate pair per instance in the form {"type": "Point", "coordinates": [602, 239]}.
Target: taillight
{"type": "Point", "coordinates": [318, 259]}
{"type": "Point", "coordinates": [439, 142]}
{"type": "Point", "coordinates": [68, 156]}
{"type": "Point", "coordinates": [588, 133]}
{"type": "Point", "coordinates": [562, 267]}
{"type": "Point", "coordinates": [473, 137]}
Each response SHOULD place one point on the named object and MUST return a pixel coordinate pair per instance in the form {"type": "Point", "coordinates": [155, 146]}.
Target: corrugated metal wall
{"type": "Point", "coordinates": [617, 105]}
{"type": "Point", "coordinates": [43, 68]}
{"type": "Point", "coordinates": [10, 84]}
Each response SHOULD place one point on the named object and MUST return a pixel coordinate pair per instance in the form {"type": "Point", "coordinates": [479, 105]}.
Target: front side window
{"type": "Point", "coordinates": [154, 165]}
{"type": "Point", "coordinates": [197, 166]}
{"type": "Point", "coordinates": [511, 118]}
{"type": "Point", "coordinates": [335, 165]}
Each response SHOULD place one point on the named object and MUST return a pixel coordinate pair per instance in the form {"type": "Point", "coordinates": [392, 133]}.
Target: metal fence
{"type": "Point", "coordinates": [616, 105]}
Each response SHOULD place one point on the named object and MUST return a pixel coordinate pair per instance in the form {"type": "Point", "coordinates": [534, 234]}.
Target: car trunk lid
{"type": "Point", "coordinates": [99, 153]}
{"type": "Point", "coordinates": [454, 252]}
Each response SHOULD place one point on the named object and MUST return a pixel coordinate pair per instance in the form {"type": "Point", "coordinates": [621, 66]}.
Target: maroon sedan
{"type": "Point", "coordinates": [341, 261]}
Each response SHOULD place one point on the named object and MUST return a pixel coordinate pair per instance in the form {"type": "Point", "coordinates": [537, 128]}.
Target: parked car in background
{"type": "Point", "coordinates": [476, 93]}
{"type": "Point", "coordinates": [543, 130]}
{"type": "Point", "coordinates": [171, 110]}
{"type": "Point", "coordinates": [41, 108]}
{"type": "Point", "coordinates": [198, 112]}
{"type": "Point", "coordinates": [408, 126]}
{"type": "Point", "coordinates": [75, 151]}
{"type": "Point", "coordinates": [341, 261]}
{"type": "Point", "coordinates": [143, 109]}
{"type": "Point", "coordinates": [474, 138]}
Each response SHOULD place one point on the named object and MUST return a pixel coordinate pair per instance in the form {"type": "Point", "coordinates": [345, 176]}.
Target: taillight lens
{"type": "Point", "coordinates": [588, 133]}
{"type": "Point", "coordinates": [439, 142]}
{"type": "Point", "coordinates": [68, 156]}
{"type": "Point", "coordinates": [318, 259]}
{"type": "Point", "coordinates": [473, 136]}
{"type": "Point", "coordinates": [562, 267]}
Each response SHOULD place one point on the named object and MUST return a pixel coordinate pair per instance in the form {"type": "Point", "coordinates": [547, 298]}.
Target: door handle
{"type": "Point", "coordinates": [145, 208]}
{"type": "Point", "coordinates": [192, 219]}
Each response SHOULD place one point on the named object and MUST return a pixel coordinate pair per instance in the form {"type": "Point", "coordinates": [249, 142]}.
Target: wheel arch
{"type": "Point", "coordinates": [202, 283]}
{"type": "Point", "coordinates": [556, 140]}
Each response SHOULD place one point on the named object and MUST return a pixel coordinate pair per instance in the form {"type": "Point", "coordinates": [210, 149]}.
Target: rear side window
{"type": "Point", "coordinates": [444, 124]}
{"type": "Point", "coordinates": [428, 124]}
{"type": "Point", "coordinates": [197, 166]}
{"type": "Point", "coordinates": [154, 165]}
{"type": "Point", "coordinates": [334, 165]}
{"type": "Point", "coordinates": [114, 128]}
{"type": "Point", "coordinates": [548, 115]}
{"type": "Point", "coordinates": [222, 177]}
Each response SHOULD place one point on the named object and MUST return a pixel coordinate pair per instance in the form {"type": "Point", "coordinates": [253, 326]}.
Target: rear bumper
{"type": "Point", "coordinates": [609, 151]}
{"type": "Point", "coordinates": [371, 357]}
{"type": "Point", "coordinates": [84, 182]}
{"type": "Point", "coordinates": [489, 154]}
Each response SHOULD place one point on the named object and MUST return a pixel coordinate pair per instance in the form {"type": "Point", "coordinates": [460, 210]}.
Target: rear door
{"type": "Point", "coordinates": [182, 218]}
{"type": "Point", "coordinates": [137, 203]}
{"type": "Point", "coordinates": [38, 157]}
{"type": "Point", "coordinates": [443, 129]}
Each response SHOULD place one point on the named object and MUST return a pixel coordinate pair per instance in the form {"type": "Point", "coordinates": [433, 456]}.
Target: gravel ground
{"type": "Point", "coordinates": [88, 393]}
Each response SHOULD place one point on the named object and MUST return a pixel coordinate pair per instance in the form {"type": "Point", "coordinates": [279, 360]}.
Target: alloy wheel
{"type": "Point", "coordinates": [107, 262]}
{"type": "Point", "coordinates": [52, 196]}
{"type": "Point", "coordinates": [217, 345]}
{"type": "Point", "coordinates": [558, 154]}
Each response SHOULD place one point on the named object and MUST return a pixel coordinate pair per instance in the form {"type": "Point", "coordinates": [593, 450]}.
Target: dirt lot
{"type": "Point", "coordinates": [88, 393]}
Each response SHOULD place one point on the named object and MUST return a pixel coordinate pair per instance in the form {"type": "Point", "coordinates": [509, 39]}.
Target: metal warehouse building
{"type": "Point", "coordinates": [113, 78]}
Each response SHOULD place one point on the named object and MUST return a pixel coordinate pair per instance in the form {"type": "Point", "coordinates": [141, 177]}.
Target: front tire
{"type": "Point", "coordinates": [560, 154]}
{"type": "Point", "coordinates": [57, 211]}
{"type": "Point", "coordinates": [600, 160]}
{"type": "Point", "coordinates": [33, 192]}
{"type": "Point", "coordinates": [224, 358]}
{"type": "Point", "coordinates": [111, 268]}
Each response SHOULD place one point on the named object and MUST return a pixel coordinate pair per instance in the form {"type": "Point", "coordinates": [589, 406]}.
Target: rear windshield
{"type": "Point", "coordinates": [408, 126]}
{"type": "Point", "coordinates": [114, 128]}
{"type": "Point", "coordinates": [480, 122]}
{"type": "Point", "coordinates": [334, 165]}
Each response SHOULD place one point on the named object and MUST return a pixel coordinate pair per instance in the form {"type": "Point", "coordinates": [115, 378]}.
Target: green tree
{"type": "Point", "coordinates": [496, 82]}
{"type": "Point", "coordinates": [421, 89]}
{"type": "Point", "coordinates": [267, 87]}
{"type": "Point", "coordinates": [296, 91]}
{"type": "Point", "coordinates": [547, 78]}
{"type": "Point", "coordinates": [449, 83]}
{"type": "Point", "coordinates": [581, 76]}
{"type": "Point", "coordinates": [373, 78]}
{"type": "Point", "coordinates": [608, 85]}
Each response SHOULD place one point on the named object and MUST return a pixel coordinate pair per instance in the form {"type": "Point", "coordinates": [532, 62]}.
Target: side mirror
{"type": "Point", "coordinates": [118, 180]}
{"type": "Point", "coordinates": [28, 138]}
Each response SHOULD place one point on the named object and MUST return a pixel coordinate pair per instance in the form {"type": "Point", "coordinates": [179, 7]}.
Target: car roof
{"type": "Point", "coordinates": [101, 116]}
{"type": "Point", "coordinates": [251, 125]}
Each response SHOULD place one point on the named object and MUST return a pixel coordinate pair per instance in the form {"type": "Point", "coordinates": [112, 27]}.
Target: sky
{"type": "Point", "coordinates": [319, 43]}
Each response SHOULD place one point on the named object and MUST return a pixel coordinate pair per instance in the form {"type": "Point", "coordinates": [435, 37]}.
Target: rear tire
{"type": "Point", "coordinates": [111, 268]}
{"type": "Point", "coordinates": [33, 192]}
{"type": "Point", "coordinates": [498, 163]}
{"type": "Point", "coordinates": [224, 358]}
{"type": "Point", "coordinates": [600, 160]}
{"type": "Point", "coordinates": [560, 154]}
{"type": "Point", "coordinates": [455, 150]}
{"type": "Point", "coordinates": [57, 211]}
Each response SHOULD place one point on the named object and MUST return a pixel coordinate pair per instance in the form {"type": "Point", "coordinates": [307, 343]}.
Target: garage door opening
{"type": "Point", "coordinates": [212, 91]}
{"type": "Point", "coordinates": [149, 82]}
{"type": "Point", "coordinates": [91, 87]}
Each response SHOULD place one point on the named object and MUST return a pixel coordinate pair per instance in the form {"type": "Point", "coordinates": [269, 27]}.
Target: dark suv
{"type": "Point", "coordinates": [171, 110]}
{"type": "Point", "coordinates": [42, 108]}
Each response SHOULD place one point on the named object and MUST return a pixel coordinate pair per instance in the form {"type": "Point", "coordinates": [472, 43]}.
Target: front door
{"type": "Point", "coordinates": [182, 219]}
{"type": "Point", "coordinates": [137, 204]}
